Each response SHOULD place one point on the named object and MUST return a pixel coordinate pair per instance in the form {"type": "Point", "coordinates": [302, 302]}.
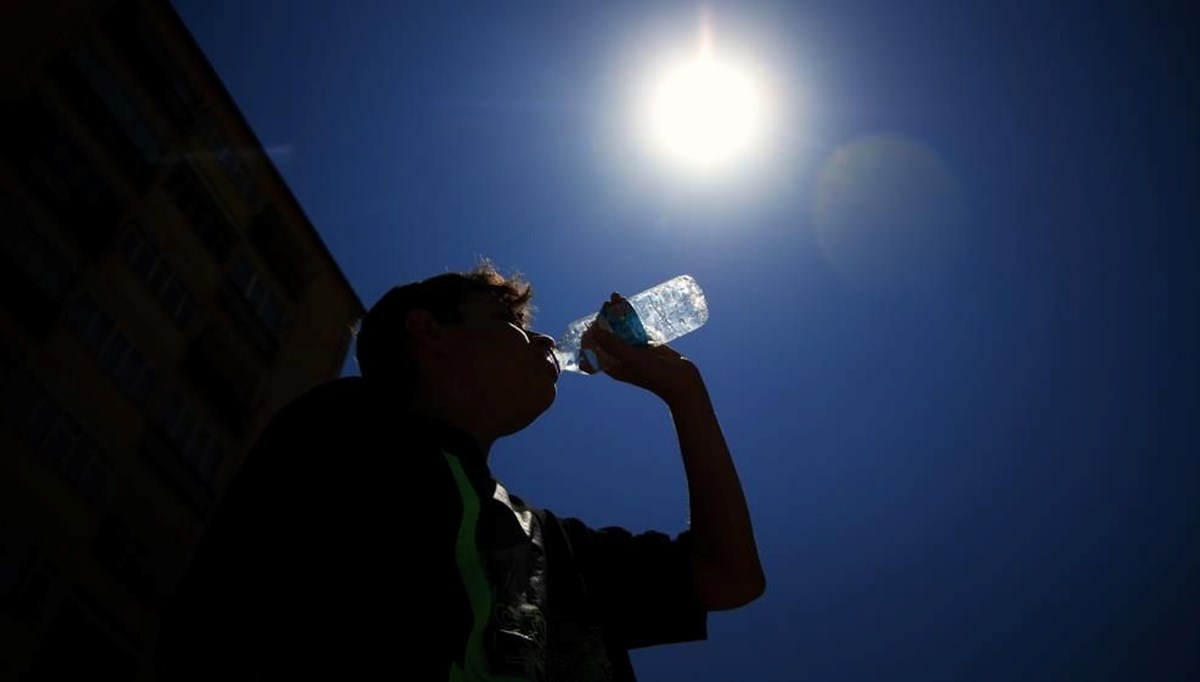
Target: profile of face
{"type": "Point", "coordinates": [505, 369]}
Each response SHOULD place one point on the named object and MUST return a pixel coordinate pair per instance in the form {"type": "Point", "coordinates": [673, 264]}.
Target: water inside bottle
{"type": "Point", "coordinates": [664, 313]}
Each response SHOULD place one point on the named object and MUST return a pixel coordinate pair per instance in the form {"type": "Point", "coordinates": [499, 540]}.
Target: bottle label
{"type": "Point", "coordinates": [622, 320]}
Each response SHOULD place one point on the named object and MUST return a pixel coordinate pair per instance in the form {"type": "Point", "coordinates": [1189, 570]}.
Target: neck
{"type": "Point", "coordinates": [453, 412]}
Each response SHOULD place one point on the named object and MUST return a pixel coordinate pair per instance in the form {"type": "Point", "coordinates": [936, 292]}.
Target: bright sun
{"type": "Point", "coordinates": [705, 112]}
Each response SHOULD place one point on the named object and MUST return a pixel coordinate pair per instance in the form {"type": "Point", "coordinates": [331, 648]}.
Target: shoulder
{"type": "Point", "coordinates": [337, 410]}
{"type": "Point", "coordinates": [333, 433]}
{"type": "Point", "coordinates": [338, 398]}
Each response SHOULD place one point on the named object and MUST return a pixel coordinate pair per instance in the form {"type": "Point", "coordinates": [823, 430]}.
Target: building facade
{"type": "Point", "coordinates": [162, 295]}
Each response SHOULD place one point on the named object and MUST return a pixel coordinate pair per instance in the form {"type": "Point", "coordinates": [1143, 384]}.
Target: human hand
{"type": "Point", "coordinates": [659, 369]}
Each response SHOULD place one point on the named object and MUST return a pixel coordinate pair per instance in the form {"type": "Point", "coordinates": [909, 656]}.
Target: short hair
{"type": "Point", "coordinates": [382, 350]}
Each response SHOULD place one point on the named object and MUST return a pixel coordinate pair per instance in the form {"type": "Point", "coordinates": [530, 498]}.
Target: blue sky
{"type": "Point", "coordinates": [939, 296]}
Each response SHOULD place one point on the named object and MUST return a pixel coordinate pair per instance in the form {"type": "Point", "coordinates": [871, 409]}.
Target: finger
{"type": "Point", "coordinates": [665, 351]}
{"type": "Point", "coordinates": [597, 360]}
{"type": "Point", "coordinates": [611, 344]}
{"type": "Point", "coordinates": [589, 361]}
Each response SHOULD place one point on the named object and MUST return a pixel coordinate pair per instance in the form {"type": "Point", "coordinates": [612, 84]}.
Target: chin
{"type": "Point", "coordinates": [546, 401]}
{"type": "Point", "coordinates": [538, 406]}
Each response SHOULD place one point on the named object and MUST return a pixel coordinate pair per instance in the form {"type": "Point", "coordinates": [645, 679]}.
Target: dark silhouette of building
{"type": "Point", "coordinates": [162, 294]}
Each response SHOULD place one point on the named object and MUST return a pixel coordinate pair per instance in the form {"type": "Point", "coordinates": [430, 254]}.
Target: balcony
{"type": "Point", "coordinates": [25, 301]}
{"type": "Point", "coordinates": [119, 552]}
{"type": "Point", "coordinates": [161, 455]}
{"type": "Point", "coordinates": [228, 383]}
{"type": "Point", "coordinates": [283, 256]}
{"type": "Point", "coordinates": [59, 174]}
{"type": "Point", "coordinates": [112, 117]}
{"type": "Point", "coordinates": [248, 321]}
{"type": "Point", "coordinates": [208, 220]}
{"type": "Point", "coordinates": [152, 63]}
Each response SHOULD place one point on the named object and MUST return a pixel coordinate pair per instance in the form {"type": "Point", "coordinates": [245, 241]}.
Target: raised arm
{"type": "Point", "coordinates": [725, 559]}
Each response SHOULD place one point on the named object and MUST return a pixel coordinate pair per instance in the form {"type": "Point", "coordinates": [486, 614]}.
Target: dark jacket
{"type": "Point", "coordinates": [359, 539]}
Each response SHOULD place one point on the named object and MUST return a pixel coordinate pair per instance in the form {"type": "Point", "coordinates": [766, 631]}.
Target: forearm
{"type": "Point", "coordinates": [725, 563]}
{"type": "Point", "coordinates": [725, 556]}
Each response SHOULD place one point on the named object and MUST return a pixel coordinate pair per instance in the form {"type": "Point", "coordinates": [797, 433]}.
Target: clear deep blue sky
{"type": "Point", "coordinates": [962, 478]}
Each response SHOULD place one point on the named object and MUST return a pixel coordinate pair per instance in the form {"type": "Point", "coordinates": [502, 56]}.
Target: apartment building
{"type": "Point", "coordinates": [162, 295]}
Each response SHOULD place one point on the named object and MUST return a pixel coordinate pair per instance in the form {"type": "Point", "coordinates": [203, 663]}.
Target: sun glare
{"type": "Point", "coordinates": [706, 111]}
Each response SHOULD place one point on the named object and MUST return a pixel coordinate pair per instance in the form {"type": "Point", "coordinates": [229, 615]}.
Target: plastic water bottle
{"type": "Point", "coordinates": [658, 315]}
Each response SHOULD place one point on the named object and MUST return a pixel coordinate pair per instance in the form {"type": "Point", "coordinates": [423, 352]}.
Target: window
{"type": "Point", "coordinates": [254, 290]}
{"type": "Point", "coordinates": [103, 103]}
{"type": "Point", "coordinates": [201, 453]}
{"type": "Point", "coordinates": [157, 70]}
{"type": "Point", "coordinates": [29, 249]}
{"type": "Point", "coordinates": [131, 374]}
{"type": "Point", "coordinates": [238, 174]}
{"type": "Point", "coordinates": [78, 457]}
{"type": "Point", "coordinates": [172, 294]}
{"type": "Point", "coordinates": [207, 218]}
{"type": "Point", "coordinates": [272, 314]}
{"type": "Point", "coordinates": [223, 372]}
{"type": "Point", "coordinates": [62, 443]}
{"type": "Point", "coordinates": [276, 243]}
{"type": "Point", "coordinates": [242, 274]}
{"type": "Point", "coordinates": [144, 383]}
{"type": "Point", "coordinates": [75, 456]}
{"type": "Point", "coordinates": [154, 271]}
{"type": "Point", "coordinates": [10, 360]}
{"type": "Point", "coordinates": [118, 102]}
{"type": "Point", "coordinates": [94, 480]}
{"type": "Point", "coordinates": [58, 173]}
{"type": "Point", "coordinates": [26, 579]}
{"type": "Point", "coordinates": [35, 278]}
{"type": "Point", "coordinates": [116, 355]}
{"type": "Point", "coordinates": [123, 555]}
{"type": "Point", "coordinates": [27, 409]}
{"type": "Point", "coordinates": [192, 439]}
{"type": "Point", "coordinates": [80, 644]}
{"type": "Point", "coordinates": [231, 160]}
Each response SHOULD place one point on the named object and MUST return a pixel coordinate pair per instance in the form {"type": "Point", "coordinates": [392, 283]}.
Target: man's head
{"type": "Point", "coordinates": [460, 343]}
